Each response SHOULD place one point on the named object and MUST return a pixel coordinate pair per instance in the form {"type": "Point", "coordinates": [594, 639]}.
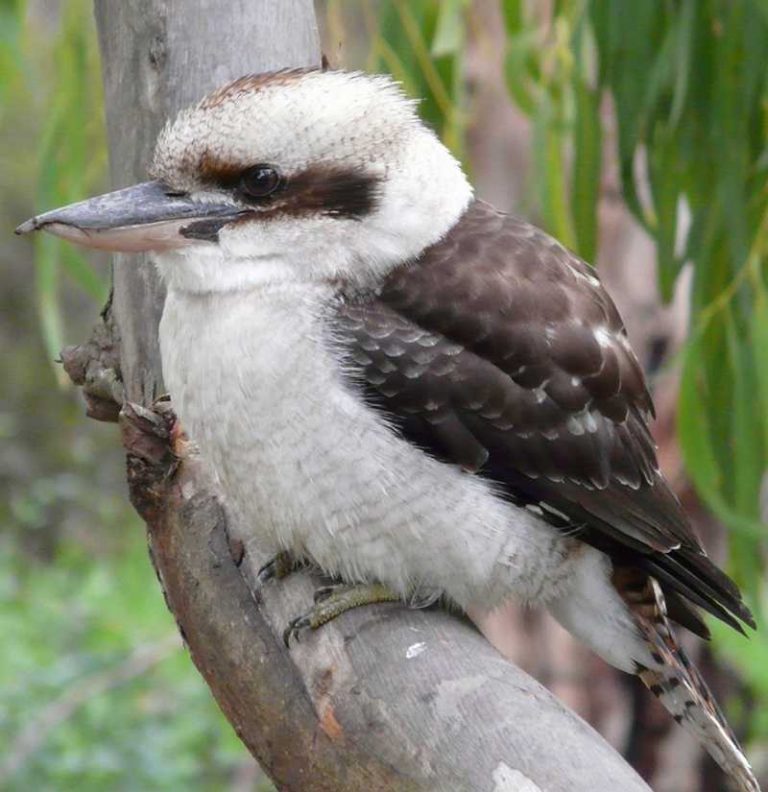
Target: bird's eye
{"type": "Point", "coordinates": [260, 181]}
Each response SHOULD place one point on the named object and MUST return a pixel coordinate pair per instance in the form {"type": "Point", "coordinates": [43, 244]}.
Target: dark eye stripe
{"type": "Point", "coordinates": [333, 191]}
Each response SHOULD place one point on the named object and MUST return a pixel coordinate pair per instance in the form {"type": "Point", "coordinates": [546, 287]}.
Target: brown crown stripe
{"type": "Point", "coordinates": [251, 83]}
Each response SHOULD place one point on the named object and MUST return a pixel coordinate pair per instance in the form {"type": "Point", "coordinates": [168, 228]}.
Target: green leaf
{"type": "Point", "coordinates": [587, 163]}
{"type": "Point", "coordinates": [92, 281]}
{"type": "Point", "coordinates": [747, 443]}
{"type": "Point", "coordinates": [513, 12]}
{"type": "Point", "coordinates": [551, 174]}
{"type": "Point", "coordinates": [665, 178]}
{"type": "Point", "coordinates": [449, 33]}
{"type": "Point", "coordinates": [758, 347]}
{"type": "Point", "coordinates": [628, 39]}
{"type": "Point", "coordinates": [692, 427]}
{"type": "Point", "coordinates": [521, 67]}
{"type": "Point", "coordinates": [71, 158]}
{"type": "Point", "coordinates": [683, 62]}
{"type": "Point", "coordinates": [517, 71]}
{"type": "Point", "coordinates": [46, 265]}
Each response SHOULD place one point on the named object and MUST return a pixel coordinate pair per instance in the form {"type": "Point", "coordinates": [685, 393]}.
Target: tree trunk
{"type": "Point", "coordinates": [383, 698]}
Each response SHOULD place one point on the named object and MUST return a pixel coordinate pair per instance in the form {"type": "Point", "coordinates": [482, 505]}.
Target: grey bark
{"type": "Point", "coordinates": [383, 698]}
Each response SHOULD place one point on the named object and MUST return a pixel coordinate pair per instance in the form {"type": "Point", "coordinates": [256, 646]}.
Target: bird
{"type": "Point", "coordinates": [420, 395]}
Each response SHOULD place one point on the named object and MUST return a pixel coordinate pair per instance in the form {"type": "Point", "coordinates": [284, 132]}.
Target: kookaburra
{"type": "Point", "coordinates": [404, 386]}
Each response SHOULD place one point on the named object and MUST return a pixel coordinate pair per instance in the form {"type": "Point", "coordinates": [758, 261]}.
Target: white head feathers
{"type": "Point", "coordinates": [365, 185]}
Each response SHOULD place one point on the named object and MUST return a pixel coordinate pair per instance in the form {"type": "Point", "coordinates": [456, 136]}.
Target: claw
{"type": "Point", "coordinates": [278, 567]}
{"type": "Point", "coordinates": [294, 628]}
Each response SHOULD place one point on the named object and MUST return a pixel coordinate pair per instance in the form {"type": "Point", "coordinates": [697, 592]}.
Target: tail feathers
{"type": "Point", "coordinates": [679, 686]}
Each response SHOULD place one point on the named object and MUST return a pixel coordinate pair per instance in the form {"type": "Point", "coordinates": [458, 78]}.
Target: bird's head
{"type": "Point", "coordinates": [293, 176]}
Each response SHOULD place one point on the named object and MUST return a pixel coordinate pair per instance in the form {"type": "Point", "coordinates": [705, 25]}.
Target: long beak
{"type": "Point", "coordinates": [147, 216]}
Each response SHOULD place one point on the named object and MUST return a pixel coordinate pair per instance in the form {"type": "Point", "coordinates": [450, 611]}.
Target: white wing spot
{"type": "Point", "coordinates": [590, 423]}
{"type": "Point", "coordinates": [575, 425]}
{"type": "Point", "coordinates": [603, 336]}
{"type": "Point", "coordinates": [556, 512]}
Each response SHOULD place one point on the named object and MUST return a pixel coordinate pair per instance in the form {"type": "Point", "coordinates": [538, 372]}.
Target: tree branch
{"type": "Point", "coordinates": [383, 698]}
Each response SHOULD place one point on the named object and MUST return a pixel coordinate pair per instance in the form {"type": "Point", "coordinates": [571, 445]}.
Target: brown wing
{"type": "Point", "coordinates": [499, 350]}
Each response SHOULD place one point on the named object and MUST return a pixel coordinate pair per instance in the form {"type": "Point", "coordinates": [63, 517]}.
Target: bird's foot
{"type": "Point", "coordinates": [332, 601]}
{"type": "Point", "coordinates": [278, 567]}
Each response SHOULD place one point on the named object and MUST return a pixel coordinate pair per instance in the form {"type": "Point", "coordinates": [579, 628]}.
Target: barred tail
{"type": "Point", "coordinates": [679, 686]}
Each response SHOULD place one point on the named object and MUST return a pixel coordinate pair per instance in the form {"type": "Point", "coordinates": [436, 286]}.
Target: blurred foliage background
{"type": "Point", "coordinates": [667, 100]}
